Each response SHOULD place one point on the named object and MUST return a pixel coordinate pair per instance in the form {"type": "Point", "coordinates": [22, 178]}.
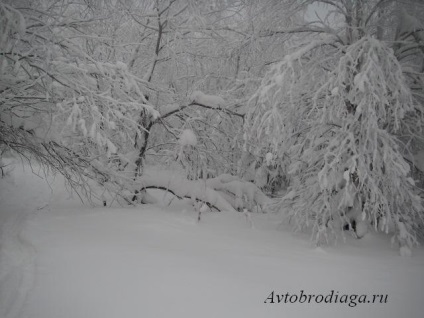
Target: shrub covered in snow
{"type": "Point", "coordinates": [341, 114]}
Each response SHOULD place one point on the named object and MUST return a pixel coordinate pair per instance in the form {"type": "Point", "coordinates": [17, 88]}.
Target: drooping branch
{"type": "Point", "coordinates": [225, 192]}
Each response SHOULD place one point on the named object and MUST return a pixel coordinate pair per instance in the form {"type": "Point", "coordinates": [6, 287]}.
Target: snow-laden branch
{"type": "Point", "coordinates": [240, 189]}
{"type": "Point", "coordinates": [225, 192]}
{"type": "Point", "coordinates": [325, 29]}
{"type": "Point", "coordinates": [200, 99]}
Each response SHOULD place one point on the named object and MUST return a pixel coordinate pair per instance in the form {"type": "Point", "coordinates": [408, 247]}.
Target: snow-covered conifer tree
{"type": "Point", "coordinates": [341, 114]}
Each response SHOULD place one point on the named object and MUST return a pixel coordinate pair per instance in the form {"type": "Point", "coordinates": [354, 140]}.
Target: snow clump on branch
{"type": "Point", "coordinates": [207, 100]}
{"type": "Point", "coordinates": [188, 138]}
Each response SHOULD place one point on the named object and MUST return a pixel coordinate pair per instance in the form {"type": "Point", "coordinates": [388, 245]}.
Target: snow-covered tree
{"type": "Point", "coordinates": [92, 89]}
{"type": "Point", "coordinates": [342, 113]}
{"type": "Point", "coordinates": [67, 109]}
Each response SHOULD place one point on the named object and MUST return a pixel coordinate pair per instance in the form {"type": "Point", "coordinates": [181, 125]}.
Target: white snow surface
{"type": "Point", "coordinates": [61, 259]}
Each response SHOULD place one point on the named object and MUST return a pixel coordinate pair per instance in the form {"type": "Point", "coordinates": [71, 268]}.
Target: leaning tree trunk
{"type": "Point", "coordinates": [145, 121]}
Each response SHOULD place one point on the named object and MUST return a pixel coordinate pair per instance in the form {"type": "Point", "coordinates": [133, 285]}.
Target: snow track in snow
{"type": "Point", "coordinates": [21, 196]}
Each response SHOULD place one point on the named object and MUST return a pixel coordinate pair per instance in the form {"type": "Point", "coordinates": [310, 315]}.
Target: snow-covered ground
{"type": "Point", "coordinates": [60, 259]}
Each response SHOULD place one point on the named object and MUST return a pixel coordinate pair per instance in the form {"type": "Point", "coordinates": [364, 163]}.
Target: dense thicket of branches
{"type": "Point", "coordinates": [114, 83]}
